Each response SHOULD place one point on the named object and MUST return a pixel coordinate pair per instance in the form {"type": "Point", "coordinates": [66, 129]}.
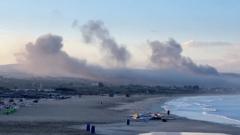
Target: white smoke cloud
{"type": "Point", "coordinates": [168, 55]}
{"type": "Point", "coordinates": [45, 57]}
{"type": "Point", "coordinates": [222, 55]}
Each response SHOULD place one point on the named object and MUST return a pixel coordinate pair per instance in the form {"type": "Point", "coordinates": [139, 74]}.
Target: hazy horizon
{"type": "Point", "coordinates": [153, 41]}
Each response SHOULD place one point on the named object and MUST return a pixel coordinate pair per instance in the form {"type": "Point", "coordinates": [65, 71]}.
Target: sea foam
{"type": "Point", "coordinates": [219, 109]}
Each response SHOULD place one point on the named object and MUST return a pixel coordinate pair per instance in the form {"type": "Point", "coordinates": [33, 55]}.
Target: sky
{"type": "Point", "coordinates": [208, 30]}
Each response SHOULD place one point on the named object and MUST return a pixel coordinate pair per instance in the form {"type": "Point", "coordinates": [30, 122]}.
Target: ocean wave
{"type": "Point", "coordinates": [222, 118]}
{"type": "Point", "coordinates": [207, 108]}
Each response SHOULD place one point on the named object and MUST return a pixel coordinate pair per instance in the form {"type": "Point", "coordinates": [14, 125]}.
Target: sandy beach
{"type": "Point", "coordinates": [97, 109]}
{"type": "Point", "coordinates": [108, 114]}
{"type": "Point", "coordinates": [178, 125]}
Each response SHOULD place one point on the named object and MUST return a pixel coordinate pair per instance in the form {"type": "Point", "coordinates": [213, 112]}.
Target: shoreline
{"type": "Point", "coordinates": [180, 124]}
{"type": "Point", "coordinates": [108, 117]}
{"type": "Point", "coordinates": [211, 116]}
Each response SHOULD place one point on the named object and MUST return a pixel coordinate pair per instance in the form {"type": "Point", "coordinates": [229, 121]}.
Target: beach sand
{"type": "Point", "coordinates": [97, 109]}
{"type": "Point", "coordinates": [108, 114]}
{"type": "Point", "coordinates": [178, 125]}
{"type": "Point", "coordinates": [50, 117]}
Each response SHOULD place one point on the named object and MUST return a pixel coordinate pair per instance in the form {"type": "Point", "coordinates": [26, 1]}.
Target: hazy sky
{"type": "Point", "coordinates": [208, 29]}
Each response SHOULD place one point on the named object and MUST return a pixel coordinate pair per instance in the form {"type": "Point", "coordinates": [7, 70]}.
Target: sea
{"type": "Point", "coordinates": [224, 109]}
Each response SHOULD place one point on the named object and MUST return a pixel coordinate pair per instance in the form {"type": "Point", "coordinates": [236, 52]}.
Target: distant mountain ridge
{"type": "Point", "coordinates": [13, 71]}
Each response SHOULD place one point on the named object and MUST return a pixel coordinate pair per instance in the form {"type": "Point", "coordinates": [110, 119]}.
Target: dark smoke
{"type": "Point", "coordinates": [168, 55]}
{"type": "Point", "coordinates": [96, 31]}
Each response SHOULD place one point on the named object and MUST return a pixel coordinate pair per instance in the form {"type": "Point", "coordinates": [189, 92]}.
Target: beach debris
{"type": "Point", "coordinates": [156, 116]}
{"type": "Point", "coordinates": [127, 95]}
{"type": "Point", "coordinates": [164, 120]}
{"type": "Point", "coordinates": [59, 97]}
{"type": "Point", "coordinates": [150, 116]}
{"type": "Point", "coordinates": [20, 100]}
{"type": "Point", "coordinates": [140, 117]}
{"type": "Point", "coordinates": [135, 116]}
{"type": "Point", "coordinates": [11, 100]}
{"type": "Point", "coordinates": [35, 101]}
{"type": "Point", "coordinates": [9, 109]}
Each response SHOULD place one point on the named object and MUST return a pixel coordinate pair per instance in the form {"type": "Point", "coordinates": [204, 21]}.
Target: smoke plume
{"type": "Point", "coordinates": [96, 31]}
{"type": "Point", "coordinates": [168, 55]}
{"type": "Point", "coordinates": [45, 57]}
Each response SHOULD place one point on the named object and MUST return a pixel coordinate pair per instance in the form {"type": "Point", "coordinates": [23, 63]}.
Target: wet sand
{"type": "Point", "coordinates": [68, 117]}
